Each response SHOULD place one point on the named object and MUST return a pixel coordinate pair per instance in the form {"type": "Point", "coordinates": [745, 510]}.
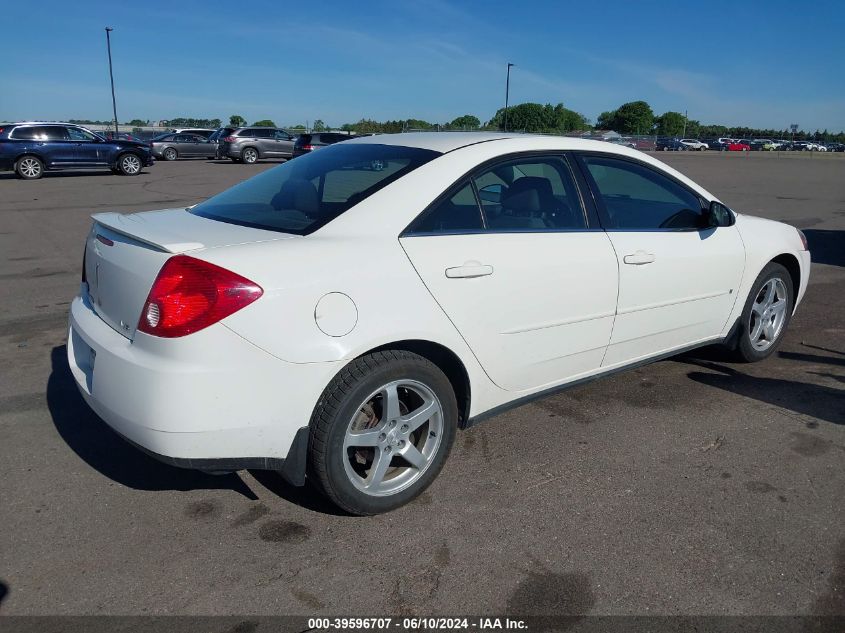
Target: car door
{"type": "Point", "coordinates": [50, 142]}
{"type": "Point", "coordinates": [528, 282]}
{"type": "Point", "coordinates": [205, 147]}
{"type": "Point", "coordinates": [87, 148]}
{"type": "Point", "coordinates": [678, 279]}
{"type": "Point", "coordinates": [265, 142]}
{"type": "Point", "coordinates": [283, 144]}
{"type": "Point", "coordinates": [185, 144]}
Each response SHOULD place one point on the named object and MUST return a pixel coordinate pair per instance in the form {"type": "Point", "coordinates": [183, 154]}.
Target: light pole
{"type": "Point", "coordinates": [111, 76]}
{"type": "Point", "coordinates": [507, 93]}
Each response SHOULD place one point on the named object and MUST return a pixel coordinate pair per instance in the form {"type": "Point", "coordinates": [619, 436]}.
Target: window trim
{"type": "Point", "coordinates": [604, 218]}
{"type": "Point", "coordinates": [591, 220]}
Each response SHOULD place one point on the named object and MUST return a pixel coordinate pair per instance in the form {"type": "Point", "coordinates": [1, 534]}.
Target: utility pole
{"type": "Point", "coordinates": [507, 93]}
{"type": "Point", "coordinates": [685, 124]}
{"type": "Point", "coordinates": [111, 76]}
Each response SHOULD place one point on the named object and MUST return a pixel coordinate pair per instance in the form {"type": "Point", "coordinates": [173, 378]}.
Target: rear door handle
{"type": "Point", "coordinates": [639, 258]}
{"type": "Point", "coordinates": [469, 270]}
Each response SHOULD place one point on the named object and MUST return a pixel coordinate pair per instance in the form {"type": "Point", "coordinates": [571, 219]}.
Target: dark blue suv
{"type": "Point", "coordinates": [31, 148]}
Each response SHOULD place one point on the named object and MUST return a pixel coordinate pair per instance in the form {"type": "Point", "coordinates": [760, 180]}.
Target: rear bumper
{"type": "Point", "coordinates": [210, 400]}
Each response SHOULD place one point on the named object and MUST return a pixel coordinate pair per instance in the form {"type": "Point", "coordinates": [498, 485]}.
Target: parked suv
{"type": "Point", "coordinates": [248, 144]}
{"type": "Point", "coordinates": [306, 143]}
{"type": "Point", "coordinates": [31, 148]}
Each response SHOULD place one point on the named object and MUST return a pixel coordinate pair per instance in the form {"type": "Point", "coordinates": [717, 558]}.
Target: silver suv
{"type": "Point", "coordinates": [248, 144]}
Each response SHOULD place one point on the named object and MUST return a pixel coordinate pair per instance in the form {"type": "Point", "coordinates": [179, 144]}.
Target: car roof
{"type": "Point", "coordinates": [444, 142]}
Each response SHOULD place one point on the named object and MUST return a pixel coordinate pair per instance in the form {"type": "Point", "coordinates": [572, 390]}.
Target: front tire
{"type": "Point", "coordinates": [29, 168]}
{"type": "Point", "coordinates": [129, 165]}
{"type": "Point", "coordinates": [766, 314]}
{"type": "Point", "coordinates": [381, 431]}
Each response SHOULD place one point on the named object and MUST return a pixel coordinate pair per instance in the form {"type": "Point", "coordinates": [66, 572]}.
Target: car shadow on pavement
{"type": "Point", "coordinates": [826, 246]}
{"type": "Point", "coordinates": [304, 496]}
{"type": "Point", "coordinates": [4, 591]}
{"type": "Point", "coordinates": [102, 449]}
{"type": "Point", "coordinates": [818, 401]}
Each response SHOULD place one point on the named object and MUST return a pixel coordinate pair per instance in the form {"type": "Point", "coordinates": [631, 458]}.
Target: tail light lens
{"type": "Point", "coordinates": [189, 294]}
{"type": "Point", "coordinates": [229, 139]}
{"type": "Point", "coordinates": [308, 147]}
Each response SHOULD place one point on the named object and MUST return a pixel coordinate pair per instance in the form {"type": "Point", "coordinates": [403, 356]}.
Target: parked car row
{"type": "Point", "coordinates": [30, 148]}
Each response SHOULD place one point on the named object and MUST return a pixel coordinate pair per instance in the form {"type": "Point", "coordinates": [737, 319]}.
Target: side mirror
{"type": "Point", "coordinates": [718, 215]}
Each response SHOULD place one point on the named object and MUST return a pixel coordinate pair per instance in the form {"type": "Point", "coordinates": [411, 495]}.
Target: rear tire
{"type": "Point", "coordinates": [29, 168]}
{"type": "Point", "coordinates": [249, 155]}
{"type": "Point", "coordinates": [381, 431]}
{"type": "Point", "coordinates": [170, 154]}
{"type": "Point", "coordinates": [766, 314]}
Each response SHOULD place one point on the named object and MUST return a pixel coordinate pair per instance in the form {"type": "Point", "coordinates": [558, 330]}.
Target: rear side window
{"type": "Point", "coordinates": [264, 133]}
{"type": "Point", "coordinates": [459, 212]}
{"type": "Point", "coordinates": [302, 195]}
{"type": "Point", "coordinates": [636, 197]}
{"type": "Point", "coordinates": [248, 133]}
{"type": "Point", "coordinates": [40, 133]}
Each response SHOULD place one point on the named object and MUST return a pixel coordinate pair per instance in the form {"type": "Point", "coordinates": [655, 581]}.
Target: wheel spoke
{"type": "Point", "coordinates": [769, 330]}
{"type": "Point", "coordinates": [769, 296]}
{"type": "Point", "coordinates": [757, 330]}
{"type": "Point", "coordinates": [390, 403]}
{"type": "Point", "coordinates": [778, 307]}
{"type": "Point", "coordinates": [412, 455]}
{"type": "Point", "coordinates": [369, 437]}
{"type": "Point", "coordinates": [419, 416]}
{"type": "Point", "coordinates": [381, 463]}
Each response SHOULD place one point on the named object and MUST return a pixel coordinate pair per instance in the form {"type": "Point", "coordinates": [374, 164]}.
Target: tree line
{"type": "Point", "coordinates": [632, 118]}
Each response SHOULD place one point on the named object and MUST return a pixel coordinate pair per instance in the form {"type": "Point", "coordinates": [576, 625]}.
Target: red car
{"type": "Point", "coordinates": [738, 146]}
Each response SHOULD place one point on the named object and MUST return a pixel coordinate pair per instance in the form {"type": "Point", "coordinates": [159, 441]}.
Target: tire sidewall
{"type": "Point", "coordinates": [341, 489]}
{"type": "Point", "coordinates": [746, 350]}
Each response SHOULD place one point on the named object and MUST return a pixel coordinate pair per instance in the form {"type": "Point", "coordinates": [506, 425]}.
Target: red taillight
{"type": "Point", "coordinates": [308, 147]}
{"type": "Point", "coordinates": [190, 294]}
{"type": "Point", "coordinates": [229, 139]}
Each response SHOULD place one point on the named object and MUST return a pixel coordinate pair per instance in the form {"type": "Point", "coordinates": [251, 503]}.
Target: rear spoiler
{"type": "Point", "coordinates": [136, 227]}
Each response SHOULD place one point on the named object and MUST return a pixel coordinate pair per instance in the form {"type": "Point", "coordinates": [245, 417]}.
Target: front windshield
{"type": "Point", "coordinates": [307, 192]}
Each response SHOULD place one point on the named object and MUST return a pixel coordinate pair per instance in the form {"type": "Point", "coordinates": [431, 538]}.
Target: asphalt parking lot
{"type": "Point", "coordinates": [691, 486]}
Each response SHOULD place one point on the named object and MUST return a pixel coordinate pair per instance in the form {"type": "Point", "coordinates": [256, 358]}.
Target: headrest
{"type": "Point", "coordinates": [297, 194]}
{"type": "Point", "coordinates": [529, 194]}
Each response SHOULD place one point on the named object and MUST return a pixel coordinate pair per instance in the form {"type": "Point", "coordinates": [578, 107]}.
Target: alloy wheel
{"type": "Point", "coordinates": [393, 437]}
{"type": "Point", "coordinates": [768, 314]}
{"type": "Point", "coordinates": [250, 156]}
{"type": "Point", "coordinates": [30, 167]}
{"type": "Point", "coordinates": [130, 164]}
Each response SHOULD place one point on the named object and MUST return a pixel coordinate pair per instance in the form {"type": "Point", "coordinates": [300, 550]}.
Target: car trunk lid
{"type": "Point", "coordinates": [124, 254]}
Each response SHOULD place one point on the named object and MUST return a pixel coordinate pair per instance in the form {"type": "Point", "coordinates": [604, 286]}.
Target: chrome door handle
{"type": "Point", "coordinates": [639, 258]}
{"type": "Point", "coordinates": [469, 270]}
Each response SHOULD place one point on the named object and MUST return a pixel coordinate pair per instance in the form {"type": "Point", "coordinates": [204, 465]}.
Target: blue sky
{"type": "Point", "coordinates": [766, 64]}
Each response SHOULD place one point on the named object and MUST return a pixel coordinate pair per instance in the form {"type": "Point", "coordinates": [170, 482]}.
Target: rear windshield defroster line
{"type": "Point", "coordinates": [310, 191]}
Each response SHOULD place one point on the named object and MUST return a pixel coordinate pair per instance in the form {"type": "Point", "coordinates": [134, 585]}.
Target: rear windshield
{"type": "Point", "coordinates": [310, 191]}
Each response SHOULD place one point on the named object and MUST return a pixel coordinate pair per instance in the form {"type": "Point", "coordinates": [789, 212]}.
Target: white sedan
{"type": "Point", "coordinates": [695, 144]}
{"type": "Point", "coordinates": [343, 314]}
